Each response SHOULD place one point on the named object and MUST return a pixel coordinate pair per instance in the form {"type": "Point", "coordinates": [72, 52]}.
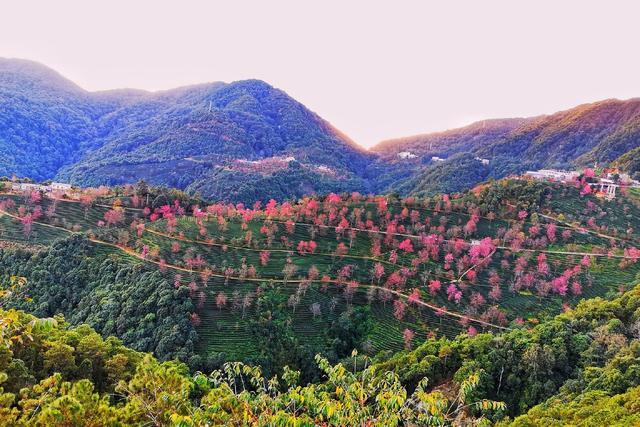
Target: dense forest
{"type": "Point", "coordinates": [581, 367]}
{"type": "Point", "coordinates": [147, 313]}
{"type": "Point", "coordinates": [115, 298]}
{"type": "Point", "coordinates": [456, 174]}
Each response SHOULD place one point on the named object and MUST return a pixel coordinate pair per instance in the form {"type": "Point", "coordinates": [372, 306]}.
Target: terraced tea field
{"type": "Point", "coordinates": [418, 267]}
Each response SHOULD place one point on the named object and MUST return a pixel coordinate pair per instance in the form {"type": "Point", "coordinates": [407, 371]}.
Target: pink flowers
{"type": "Point", "coordinates": [551, 232]}
{"type": "Point", "coordinates": [35, 197]}
{"type": "Point", "coordinates": [113, 216]}
{"type": "Point", "coordinates": [543, 267]}
{"type": "Point", "coordinates": [342, 225]}
{"type": "Point", "coordinates": [378, 271]}
{"type": "Point", "coordinates": [414, 298]}
{"type": "Point", "coordinates": [27, 224]}
{"type": "Point", "coordinates": [481, 250]}
{"type": "Point", "coordinates": [341, 249]}
{"type": "Point", "coordinates": [307, 247]}
{"type": "Point", "coordinates": [333, 198]}
{"type": "Point", "coordinates": [406, 246]}
{"type": "Point", "coordinates": [399, 308]}
{"type": "Point", "coordinates": [434, 287]}
{"type": "Point", "coordinates": [195, 319]}
{"type": "Point", "coordinates": [407, 336]}
{"type": "Point", "coordinates": [448, 259]}
{"type": "Point", "coordinates": [559, 285]}
{"type": "Point", "coordinates": [382, 205]}
{"type": "Point", "coordinates": [576, 288]}
{"type": "Point", "coordinates": [472, 225]}
{"type": "Point", "coordinates": [264, 258]}
{"type": "Point", "coordinates": [453, 294]}
{"type": "Point", "coordinates": [221, 300]}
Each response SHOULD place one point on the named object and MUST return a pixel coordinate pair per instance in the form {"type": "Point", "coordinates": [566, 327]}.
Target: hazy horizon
{"type": "Point", "coordinates": [374, 71]}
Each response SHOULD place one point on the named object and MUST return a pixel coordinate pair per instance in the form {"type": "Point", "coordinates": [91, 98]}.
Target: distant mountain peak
{"type": "Point", "coordinates": [52, 128]}
{"type": "Point", "coordinates": [24, 71]}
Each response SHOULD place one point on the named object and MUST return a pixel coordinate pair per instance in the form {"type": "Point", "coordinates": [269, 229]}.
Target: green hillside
{"type": "Point", "coordinates": [275, 284]}
{"type": "Point", "coordinates": [630, 163]}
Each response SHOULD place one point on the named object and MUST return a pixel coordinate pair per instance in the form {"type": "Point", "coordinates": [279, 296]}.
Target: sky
{"type": "Point", "coordinates": [376, 70]}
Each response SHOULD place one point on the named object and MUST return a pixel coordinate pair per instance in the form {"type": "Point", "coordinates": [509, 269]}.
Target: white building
{"type": "Point", "coordinates": [552, 174]}
{"type": "Point", "coordinates": [406, 155]}
{"type": "Point", "coordinates": [606, 187]}
{"type": "Point", "coordinates": [25, 186]}
{"type": "Point", "coordinates": [59, 186]}
{"type": "Point", "coordinates": [54, 186]}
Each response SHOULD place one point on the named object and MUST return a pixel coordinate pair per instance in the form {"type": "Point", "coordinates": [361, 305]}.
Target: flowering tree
{"type": "Point", "coordinates": [406, 246]}
{"type": "Point", "coordinates": [27, 225]}
{"type": "Point", "coordinates": [453, 293]}
{"type": "Point", "coordinates": [407, 336]}
{"type": "Point", "coordinates": [551, 232]}
{"type": "Point", "coordinates": [399, 308]}
{"type": "Point", "coordinates": [434, 287]}
{"type": "Point", "coordinates": [264, 258]}
{"type": "Point", "coordinates": [341, 249]}
{"type": "Point", "coordinates": [195, 319]}
{"type": "Point", "coordinates": [378, 272]}
{"type": "Point", "coordinates": [113, 216]}
{"type": "Point", "coordinates": [414, 298]}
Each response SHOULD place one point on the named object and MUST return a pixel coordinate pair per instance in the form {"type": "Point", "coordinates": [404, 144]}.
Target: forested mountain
{"type": "Point", "coordinates": [45, 120]}
{"type": "Point", "coordinates": [599, 132]}
{"type": "Point", "coordinates": [247, 141]}
{"type": "Point", "coordinates": [186, 138]}
{"type": "Point", "coordinates": [443, 144]}
{"type": "Point", "coordinates": [630, 162]}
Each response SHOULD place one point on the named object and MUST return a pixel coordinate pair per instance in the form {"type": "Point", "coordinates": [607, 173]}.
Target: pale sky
{"type": "Point", "coordinates": [376, 70]}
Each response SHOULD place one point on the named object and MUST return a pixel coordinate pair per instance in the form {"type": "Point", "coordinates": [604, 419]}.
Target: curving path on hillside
{"type": "Point", "coordinates": [134, 254]}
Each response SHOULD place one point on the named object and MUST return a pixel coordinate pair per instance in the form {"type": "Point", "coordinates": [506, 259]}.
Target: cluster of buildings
{"type": "Point", "coordinates": [553, 175]}
{"type": "Point", "coordinates": [45, 188]}
{"type": "Point", "coordinates": [406, 155]}
{"type": "Point", "coordinates": [606, 185]}
{"type": "Point", "coordinates": [477, 159]}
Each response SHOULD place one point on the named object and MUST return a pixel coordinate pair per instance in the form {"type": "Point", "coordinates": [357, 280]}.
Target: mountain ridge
{"type": "Point", "coordinates": [589, 134]}
{"type": "Point", "coordinates": [247, 139]}
{"type": "Point", "coordinates": [57, 130]}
